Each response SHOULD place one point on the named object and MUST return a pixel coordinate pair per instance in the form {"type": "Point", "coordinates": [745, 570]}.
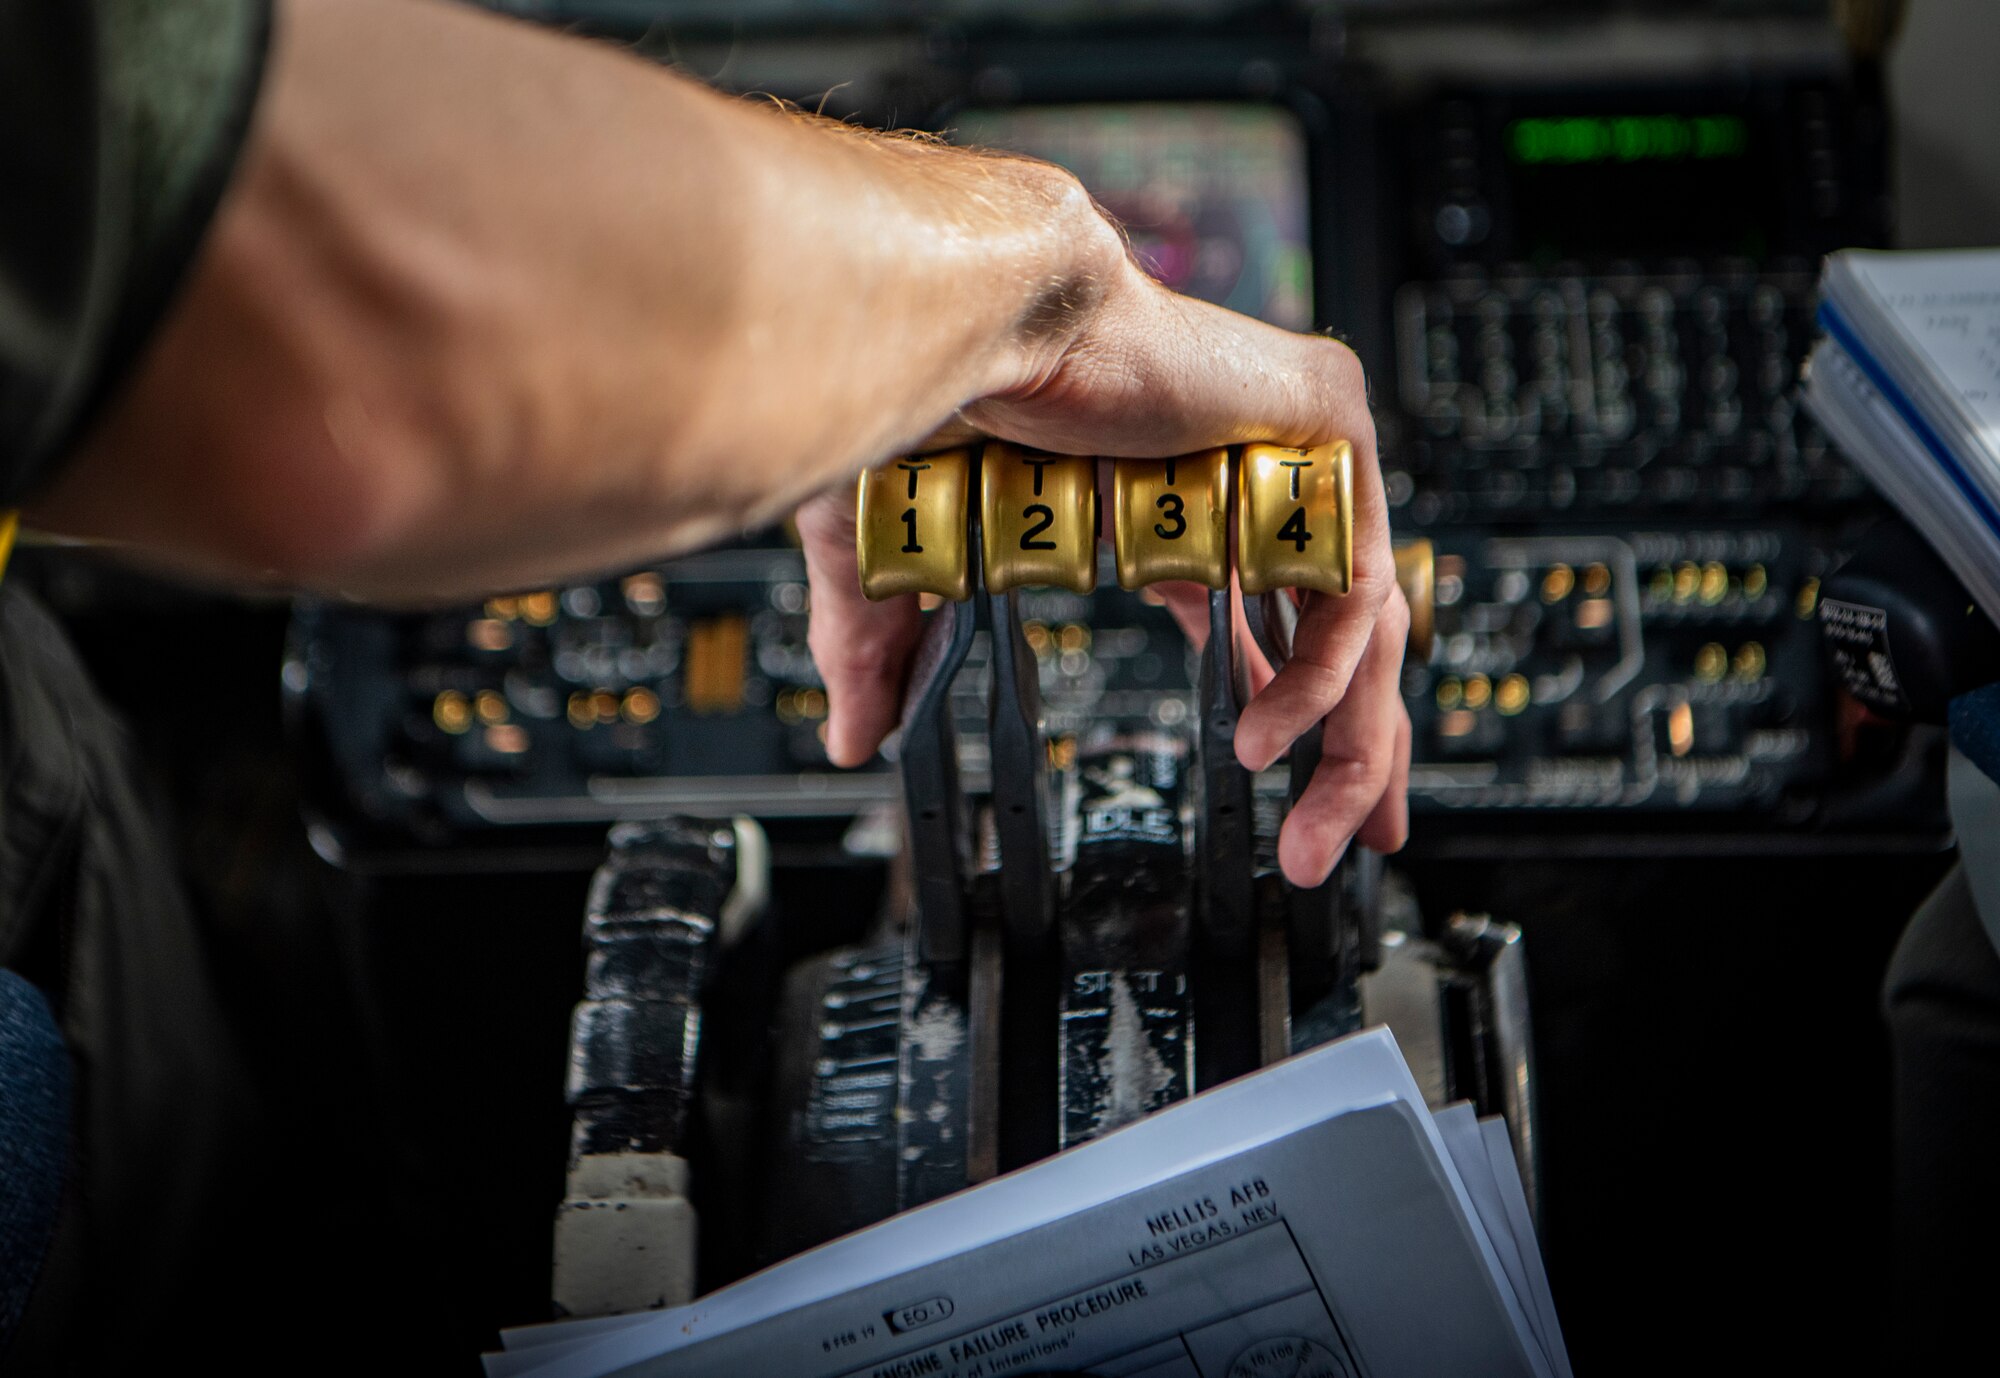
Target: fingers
{"type": "Point", "coordinates": [1363, 773]}
{"type": "Point", "coordinates": [1388, 827]}
{"type": "Point", "coordinates": [1189, 605]}
{"type": "Point", "coordinates": [1332, 635]}
{"type": "Point", "coordinates": [862, 648]}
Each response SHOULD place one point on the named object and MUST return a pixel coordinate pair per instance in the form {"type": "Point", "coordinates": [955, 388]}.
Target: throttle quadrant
{"type": "Point", "coordinates": [1288, 514]}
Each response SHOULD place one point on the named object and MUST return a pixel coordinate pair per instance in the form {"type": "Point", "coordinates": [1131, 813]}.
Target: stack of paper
{"type": "Point", "coordinates": [1907, 384]}
{"type": "Point", "coordinates": [1314, 1220]}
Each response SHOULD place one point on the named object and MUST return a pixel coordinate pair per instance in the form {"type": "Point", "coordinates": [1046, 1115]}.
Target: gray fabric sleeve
{"type": "Point", "coordinates": [120, 121]}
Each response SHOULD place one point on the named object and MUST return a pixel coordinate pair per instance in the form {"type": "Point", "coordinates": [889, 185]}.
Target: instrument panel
{"type": "Point", "coordinates": [1582, 305]}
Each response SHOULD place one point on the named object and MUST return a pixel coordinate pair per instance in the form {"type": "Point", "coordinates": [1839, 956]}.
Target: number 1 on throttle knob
{"type": "Point", "coordinates": [910, 524]}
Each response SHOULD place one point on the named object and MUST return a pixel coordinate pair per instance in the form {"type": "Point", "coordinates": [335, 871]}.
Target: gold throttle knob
{"type": "Point", "coordinates": [911, 518]}
{"type": "Point", "coordinates": [1039, 514]}
{"type": "Point", "coordinates": [1170, 519]}
{"type": "Point", "coordinates": [1416, 575]}
{"type": "Point", "coordinates": [1295, 518]}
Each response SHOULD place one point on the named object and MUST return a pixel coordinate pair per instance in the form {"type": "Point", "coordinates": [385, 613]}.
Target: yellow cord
{"type": "Point", "coordinates": [10, 522]}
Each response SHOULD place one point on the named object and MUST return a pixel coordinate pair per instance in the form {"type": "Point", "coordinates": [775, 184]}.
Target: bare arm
{"type": "Point", "coordinates": [490, 307]}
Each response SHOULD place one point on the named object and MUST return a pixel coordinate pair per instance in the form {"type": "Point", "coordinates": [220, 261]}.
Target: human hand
{"type": "Point", "coordinates": [1151, 374]}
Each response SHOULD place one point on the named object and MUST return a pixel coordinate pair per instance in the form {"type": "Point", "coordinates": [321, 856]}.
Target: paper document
{"type": "Point", "coordinates": [1309, 1220]}
{"type": "Point", "coordinates": [1907, 384]}
{"type": "Point", "coordinates": [1944, 310]}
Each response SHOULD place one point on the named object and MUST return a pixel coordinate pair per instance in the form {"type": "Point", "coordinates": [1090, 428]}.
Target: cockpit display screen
{"type": "Point", "coordinates": [1214, 197]}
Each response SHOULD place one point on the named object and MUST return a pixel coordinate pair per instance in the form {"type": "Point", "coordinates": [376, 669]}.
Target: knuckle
{"type": "Point", "coordinates": [1344, 367]}
{"type": "Point", "coordinates": [1340, 382]}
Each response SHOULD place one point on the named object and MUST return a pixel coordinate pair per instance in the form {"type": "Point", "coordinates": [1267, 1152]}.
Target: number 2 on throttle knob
{"type": "Point", "coordinates": [1039, 513]}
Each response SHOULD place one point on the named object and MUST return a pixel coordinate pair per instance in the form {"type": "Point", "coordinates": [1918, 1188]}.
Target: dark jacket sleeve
{"type": "Point", "coordinates": [120, 121]}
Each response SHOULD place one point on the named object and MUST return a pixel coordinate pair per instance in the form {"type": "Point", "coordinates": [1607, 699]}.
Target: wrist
{"type": "Point", "coordinates": [1075, 262]}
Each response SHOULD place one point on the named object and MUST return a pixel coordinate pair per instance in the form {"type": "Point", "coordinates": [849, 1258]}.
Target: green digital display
{"type": "Point", "coordinates": [1574, 139]}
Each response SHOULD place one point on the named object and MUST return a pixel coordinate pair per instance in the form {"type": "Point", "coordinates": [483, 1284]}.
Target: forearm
{"type": "Point", "coordinates": [487, 306]}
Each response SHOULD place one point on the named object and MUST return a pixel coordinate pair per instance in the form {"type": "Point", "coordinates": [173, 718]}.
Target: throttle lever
{"type": "Point", "coordinates": [1020, 778]}
{"type": "Point", "coordinates": [1228, 910]}
{"type": "Point", "coordinates": [940, 835]}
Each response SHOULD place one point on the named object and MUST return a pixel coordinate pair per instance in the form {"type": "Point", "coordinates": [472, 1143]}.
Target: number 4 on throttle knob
{"type": "Point", "coordinates": [910, 526]}
{"type": "Point", "coordinates": [1295, 518]}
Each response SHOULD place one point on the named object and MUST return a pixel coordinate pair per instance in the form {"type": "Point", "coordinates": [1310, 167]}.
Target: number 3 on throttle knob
{"type": "Point", "coordinates": [1295, 518]}
{"type": "Point", "coordinates": [1170, 519]}
{"type": "Point", "coordinates": [910, 526]}
{"type": "Point", "coordinates": [1039, 514]}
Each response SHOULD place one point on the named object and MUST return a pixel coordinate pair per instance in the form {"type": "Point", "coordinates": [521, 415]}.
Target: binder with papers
{"type": "Point", "coordinates": [1907, 384]}
{"type": "Point", "coordinates": [1312, 1219]}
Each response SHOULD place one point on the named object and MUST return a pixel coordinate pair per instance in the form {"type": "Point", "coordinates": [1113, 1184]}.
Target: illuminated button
{"type": "Point", "coordinates": [488, 634]}
{"type": "Point", "coordinates": [1750, 662]}
{"type": "Point", "coordinates": [1680, 729]}
{"type": "Point", "coordinates": [645, 593]}
{"type": "Point", "coordinates": [911, 522]}
{"type": "Point", "coordinates": [713, 680]}
{"type": "Point", "coordinates": [1755, 581]}
{"type": "Point", "coordinates": [801, 705]}
{"type": "Point", "coordinates": [1170, 519]}
{"type": "Point", "coordinates": [1295, 518]}
{"type": "Point", "coordinates": [491, 707]}
{"type": "Point", "coordinates": [1557, 583]}
{"type": "Point", "coordinates": [1662, 586]}
{"type": "Point", "coordinates": [1039, 517]}
{"type": "Point", "coordinates": [538, 609]}
{"type": "Point", "coordinates": [1710, 663]}
{"type": "Point", "coordinates": [509, 739]}
{"type": "Point", "coordinates": [1687, 578]}
{"type": "Point", "coordinates": [1511, 695]}
{"type": "Point", "coordinates": [1714, 582]}
{"type": "Point", "coordinates": [641, 705]}
{"type": "Point", "coordinates": [1062, 753]}
{"type": "Point", "coordinates": [1597, 580]}
{"type": "Point", "coordinates": [1593, 614]}
{"type": "Point", "coordinates": [1807, 602]}
{"type": "Point", "coordinates": [582, 712]}
{"type": "Point", "coordinates": [1478, 691]}
{"type": "Point", "coordinates": [451, 711]}
{"type": "Point", "coordinates": [1450, 693]}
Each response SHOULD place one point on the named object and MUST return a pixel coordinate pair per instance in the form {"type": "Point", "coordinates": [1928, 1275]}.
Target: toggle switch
{"type": "Point", "coordinates": [1295, 518]}
{"type": "Point", "coordinates": [1170, 519]}
{"type": "Point", "coordinates": [1039, 514]}
{"type": "Point", "coordinates": [911, 518]}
